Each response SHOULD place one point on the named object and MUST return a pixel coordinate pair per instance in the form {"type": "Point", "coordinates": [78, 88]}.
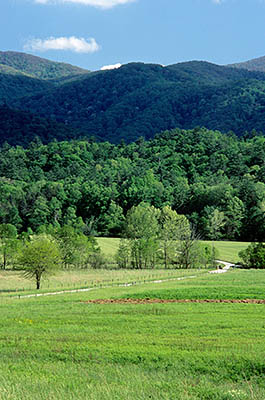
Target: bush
{"type": "Point", "coordinates": [253, 256]}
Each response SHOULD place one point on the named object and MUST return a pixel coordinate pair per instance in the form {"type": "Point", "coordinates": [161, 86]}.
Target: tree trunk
{"type": "Point", "coordinates": [4, 256]}
{"type": "Point", "coordinates": [38, 276]}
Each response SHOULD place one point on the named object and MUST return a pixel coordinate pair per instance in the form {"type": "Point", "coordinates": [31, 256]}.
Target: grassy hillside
{"type": "Point", "coordinates": [228, 251]}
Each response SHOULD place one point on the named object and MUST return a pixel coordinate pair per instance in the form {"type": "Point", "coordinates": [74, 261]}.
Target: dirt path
{"type": "Point", "coordinates": [104, 287]}
{"type": "Point", "coordinates": [225, 269]}
{"type": "Point", "coordinates": [163, 301]}
{"type": "Point", "coordinates": [227, 266]}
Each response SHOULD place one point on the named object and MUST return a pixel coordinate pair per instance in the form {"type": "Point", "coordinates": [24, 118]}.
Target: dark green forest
{"type": "Point", "coordinates": [216, 180]}
{"type": "Point", "coordinates": [136, 100]}
{"type": "Point", "coordinates": [143, 99]}
{"type": "Point", "coordinates": [21, 127]}
{"type": "Point", "coordinates": [82, 149]}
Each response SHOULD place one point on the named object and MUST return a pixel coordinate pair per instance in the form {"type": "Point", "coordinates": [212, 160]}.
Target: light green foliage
{"type": "Point", "coordinates": [234, 214]}
{"type": "Point", "coordinates": [142, 229]}
{"type": "Point", "coordinates": [155, 234]}
{"type": "Point", "coordinates": [39, 257]}
{"type": "Point", "coordinates": [172, 228]}
{"type": "Point", "coordinates": [188, 255]}
{"type": "Point", "coordinates": [215, 221]}
{"type": "Point", "coordinates": [75, 247]}
{"type": "Point", "coordinates": [207, 254]}
{"type": "Point", "coordinates": [123, 254]}
{"type": "Point", "coordinates": [215, 180]}
{"type": "Point", "coordinates": [141, 221]}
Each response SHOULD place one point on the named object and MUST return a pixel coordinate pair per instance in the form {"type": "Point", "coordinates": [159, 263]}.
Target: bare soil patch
{"type": "Point", "coordinates": [162, 301]}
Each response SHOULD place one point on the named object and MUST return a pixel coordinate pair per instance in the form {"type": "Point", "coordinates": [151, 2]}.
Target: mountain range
{"type": "Point", "coordinates": [59, 101]}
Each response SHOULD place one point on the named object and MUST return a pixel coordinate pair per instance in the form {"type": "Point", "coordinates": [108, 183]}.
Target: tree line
{"type": "Point", "coordinates": [161, 237]}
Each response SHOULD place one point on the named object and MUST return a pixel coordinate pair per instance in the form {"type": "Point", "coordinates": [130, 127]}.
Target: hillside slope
{"type": "Point", "coordinates": [14, 85]}
{"type": "Point", "coordinates": [20, 127]}
{"type": "Point", "coordinates": [135, 100]}
{"type": "Point", "coordinates": [23, 75]}
{"type": "Point", "coordinates": [143, 99]}
{"type": "Point", "coordinates": [257, 64]}
{"type": "Point", "coordinates": [38, 67]}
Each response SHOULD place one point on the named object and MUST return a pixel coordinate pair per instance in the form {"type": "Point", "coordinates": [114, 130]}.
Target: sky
{"type": "Point", "coordinates": [96, 34]}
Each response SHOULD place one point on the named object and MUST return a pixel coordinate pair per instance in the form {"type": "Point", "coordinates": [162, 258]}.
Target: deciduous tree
{"type": "Point", "coordinates": [39, 257]}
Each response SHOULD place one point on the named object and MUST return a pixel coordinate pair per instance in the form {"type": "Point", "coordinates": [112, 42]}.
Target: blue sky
{"type": "Point", "coordinates": [96, 33]}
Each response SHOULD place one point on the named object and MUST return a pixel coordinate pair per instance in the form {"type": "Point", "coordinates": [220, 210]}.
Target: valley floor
{"type": "Point", "coordinates": [67, 347]}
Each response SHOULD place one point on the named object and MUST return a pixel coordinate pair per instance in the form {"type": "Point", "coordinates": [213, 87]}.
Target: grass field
{"type": "Point", "coordinates": [62, 347]}
{"type": "Point", "coordinates": [13, 281]}
{"type": "Point", "coordinates": [228, 251]}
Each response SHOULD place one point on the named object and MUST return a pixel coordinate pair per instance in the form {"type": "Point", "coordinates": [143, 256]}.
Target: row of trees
{"type": "Point", "coordinates": [154, 237]}
{"type": "Point", "coordinates": [163, 236]}
{"type": "Point", "coordinates": [76, 249]}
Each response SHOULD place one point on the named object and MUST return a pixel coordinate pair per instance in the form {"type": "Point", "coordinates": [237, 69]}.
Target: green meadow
{"type": "Point", "coordinates": [63, 347]}
{"type": "Point", "coordinates": [228, 251]}
{"type": "Point", "coordinates": [13, 283]}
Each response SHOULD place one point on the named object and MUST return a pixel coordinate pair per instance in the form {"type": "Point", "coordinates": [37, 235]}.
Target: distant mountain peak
{"type": "Point", "coordinates": [256, 64]}
{"type": "Point", "coordinates": [38, 67]}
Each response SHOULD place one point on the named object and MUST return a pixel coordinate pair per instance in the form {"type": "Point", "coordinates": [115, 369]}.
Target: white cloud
{"type": "Point", "coordinates": [217, 1]}
{"type": "Point", "coordinates": [114, 66]}
{"type": "Point", "coordinates": [78, 45]}
{"type": "Point", "coordinates": [94, 3]}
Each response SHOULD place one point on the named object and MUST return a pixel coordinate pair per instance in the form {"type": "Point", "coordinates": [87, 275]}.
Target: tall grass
{"type": "Point", "coordinates": [13, 281]}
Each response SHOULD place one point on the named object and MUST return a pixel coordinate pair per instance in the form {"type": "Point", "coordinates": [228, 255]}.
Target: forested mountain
{"type": "Point", "coordinates": [23, 127]}
{"type": "Point", "coordinates": [216, 180]}
{"type": "Point", "coordinates": [257, 64]}
{"type": "Point", "coordinates": [15, 85]}
{"type": "Point", "coordinates": [142, 99]}
{"type": "Point", "coordinates": [136, 100]}
{"type": "Point", "coordinates": [37, 67]}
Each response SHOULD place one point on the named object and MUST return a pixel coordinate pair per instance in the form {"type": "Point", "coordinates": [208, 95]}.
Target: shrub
{"type": "Point", "coordinates": [253, 256]}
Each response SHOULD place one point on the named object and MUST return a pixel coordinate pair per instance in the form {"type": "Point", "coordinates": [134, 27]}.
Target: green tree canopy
{"type": "Point", "coordinates": [253, 256]}
{"type": "Point", "coordinates": [39, 257]}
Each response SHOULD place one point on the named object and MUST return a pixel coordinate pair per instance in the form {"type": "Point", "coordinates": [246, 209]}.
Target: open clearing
{"type": "Point", "coordinates": [62, 347]}
{"type": "Point", "coordinates": [228, 251]}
